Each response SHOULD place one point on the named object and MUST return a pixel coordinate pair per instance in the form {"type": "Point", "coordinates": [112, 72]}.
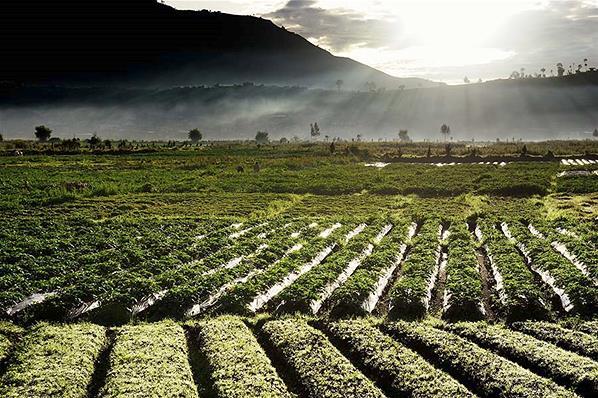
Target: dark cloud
{"type": "Point", "coordinates": [335, 29]}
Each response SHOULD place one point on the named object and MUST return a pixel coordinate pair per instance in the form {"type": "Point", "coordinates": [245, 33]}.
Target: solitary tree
{"type": "Point", "coordinates": [595, 133]}
{"type": "Point", "coordinates": [404, 136]}
{"type": "Point", "coordinates": [445, 130]}
{"type": "Point", "coordinates": [524, 150]}
{"type": "Point", "coordinates": [560, 70]}
{"type": "Point", "coordinates": [261, 137]}
{"type": "Point", "coordinates": [1, 138]}
{"type": "Point", "coordinates": [339, 84]}
{"type": "Point", "coordinates": [332, 148]}
{"type": "Point", "coordinates": [195, 136]}
{"type": "Point", "coordinates": [466, 80]}
{"type": "Point", "coordinates": [315, 130]}
{"type": "Point", "coordinates": [94, 141]}
{"type": "Point", "coordinates": [42, 133]}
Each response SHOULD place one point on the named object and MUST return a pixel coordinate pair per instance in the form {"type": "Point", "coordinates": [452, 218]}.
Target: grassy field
{"type": "Point", "coordinates": [174, 273]}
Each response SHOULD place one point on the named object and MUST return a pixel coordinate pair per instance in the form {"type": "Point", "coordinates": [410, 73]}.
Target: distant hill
{"type": "Point", "coordinates": [144, 43]}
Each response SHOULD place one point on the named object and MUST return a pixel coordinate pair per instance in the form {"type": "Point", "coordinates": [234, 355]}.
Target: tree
{"type": "Point", "coordinates": [108, 144]}
{"type": "Point", "coordinates": [332, 148]}
{"type": "Point", "coordinates": [315, 130]}
{"type": "Point", "coordinates": [1, 138]}
{"type": "Point", "coordinates": [543, 70]}
{"type": "Point", "coordinates": [515, 75]}
{"type": "Point", "coordinates": [402, 87]}
{"type": "Point", "coordinates": [404, 136]}
{"type": "Point", "coordinates": [445, 130]}
{"type": "Point", "coordinates": [284, 140]}
{"type": "Point", "coordinates": [339, 84]}
{"type": "Point", "coordinates": [42, 133]}
{"type": "Point", "coordinates": [261, 137]}
{"type": "Point", "coordinates": [560, 70]}
{"type": "Point", "coordinates": [466, 80]}
{"type": "Point", "coordinates": [524, 150]}
{"type": "Point", "coordinates": [448, 149]}
{"type": "Point", "coordinates": [429, 152]}
{"type": "Point", "coordinates": [195, 136]}
{"type": "Point", "coordinates": [94, 141]}
{"type": "Point", "coordinates": [595, 133]}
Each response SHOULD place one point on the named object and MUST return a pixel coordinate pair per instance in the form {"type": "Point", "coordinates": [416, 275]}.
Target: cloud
{"type": "Point", "coordinates": [335, 29]}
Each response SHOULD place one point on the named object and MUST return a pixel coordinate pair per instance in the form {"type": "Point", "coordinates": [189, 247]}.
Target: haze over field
{"type": "Point", "coordinates": [142, 69]}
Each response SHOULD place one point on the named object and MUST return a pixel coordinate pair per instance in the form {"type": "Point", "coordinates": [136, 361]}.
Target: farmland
{"type": "Point", "coordinates": [235, 270]}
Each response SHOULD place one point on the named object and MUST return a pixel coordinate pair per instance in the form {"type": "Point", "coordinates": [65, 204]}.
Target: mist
{"type": "Point", "coordinates": [533, 110]}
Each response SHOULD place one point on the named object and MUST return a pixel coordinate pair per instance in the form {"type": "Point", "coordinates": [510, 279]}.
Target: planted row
{"type": "Point", "coordinates": [54, 361]}
{"type": "Point", "coordinates": [519, 297]}
{"type": "Point", "coordinates": [573, 340]}
{"type": "Point", "coordinates": [482, 371]}
{"type": "Point", "coordinates": [566, 368]}
{"type": "Point", "coordinates": [259, 289]}
{"type": "Point", "coordinates": [361, 292]}
{"type": "Point", "coordinates": [575, 290]}
{"type": "Point", "coordinates": [400, 371]}
{"type": "Point", "coordinates": [239, 367]}
{"type": "Point", "coordinates": [411, 294]}
{"type": "Point", "coordinates": [319, 367]}
{"type": "Point", "coordinates": [149, 360]}
{"type": "Point", "coordinates": [311, 286]}
{"type": "Point", "coordinates": [463, 291]}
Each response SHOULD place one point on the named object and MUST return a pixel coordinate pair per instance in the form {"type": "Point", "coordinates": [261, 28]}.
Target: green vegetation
{"type": "Point", "coordinates": [544, 358]}
{"type": "Point", "coordinates": [579, 342]}
{"type": "Point", "coordinates": [485, 373]}
{"type": "Point", "coordinates": [400, 370]}
{"type": "Point", "coordinates": [319, 366]}
{"type": "Point", "coordinates": [54, 361]}
{"type": "Point", "coordinates": [239, 366]}
{"type": "Point", "coordinates": [149, 361]}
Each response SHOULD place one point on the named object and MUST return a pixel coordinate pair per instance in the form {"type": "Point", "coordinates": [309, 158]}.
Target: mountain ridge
{"type": "Point", "coordinates": [148, 44]}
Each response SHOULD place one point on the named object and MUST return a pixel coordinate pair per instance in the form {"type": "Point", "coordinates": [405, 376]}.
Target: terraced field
{"type": "Point", "coordinates": [216, 292]}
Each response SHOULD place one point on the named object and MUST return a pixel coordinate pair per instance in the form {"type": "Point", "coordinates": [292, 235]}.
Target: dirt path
{"type": "Point", "coordinates": [437, 301]}
{"type": "Point", "coordinates": [488, 284]}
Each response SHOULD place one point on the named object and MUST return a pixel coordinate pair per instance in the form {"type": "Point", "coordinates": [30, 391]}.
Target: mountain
{"type": "Point", "coordinates": [144, 43]}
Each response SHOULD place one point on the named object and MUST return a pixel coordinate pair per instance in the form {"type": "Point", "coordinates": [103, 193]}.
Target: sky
{"type": "Point", "coordinates": [438, 40]}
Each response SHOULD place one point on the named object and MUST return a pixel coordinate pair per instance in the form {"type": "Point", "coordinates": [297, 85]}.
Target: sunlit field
{"type": "Point", "coordinates": [298, 270]}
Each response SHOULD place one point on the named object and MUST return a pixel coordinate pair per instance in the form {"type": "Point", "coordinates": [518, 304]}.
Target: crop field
{"type": "Point", "coordinates": [236, 271]}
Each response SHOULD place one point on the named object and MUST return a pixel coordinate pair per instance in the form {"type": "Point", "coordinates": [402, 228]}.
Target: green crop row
{"type": "Point", "coordinates": [463, 291]}
{"type": "Point", "coordinates": [252, 295]}
{"type": "Point", "coordinates": [319, 367]}
{"type": "Point", "coordinates": [310, 286]}
{"type": "Point", "coordinates": [257, 254]}
{"type": "Point", "coordinates": [564, 367]}
{"type": "Point", "coordinates": [54, 361]}
{"type": "Point", "coordinates": [239, 367]}
{"type": "Point", "coordinates": [77, 258]}
{"type": "Point", "coordinates": [484, 372]}
{"type": "Point", "coordinates": [350, 297]}
{"type": "Point", "coordinates": [572, 340]}
{"type": "Point", "coordinates": [9, 333]}
{"type": "Point", "coordinates": [519, 297]}
{"type": "Point", "coordinates": [555, 269]}
{"type": "Point", "coordinates": [149, 360]}
{"type": "Point", "coordinates": [397, 368]}
{"type": "Point", "coordinates": [410, 296]}
{"type": "Point", "coordinates": [580, 248]}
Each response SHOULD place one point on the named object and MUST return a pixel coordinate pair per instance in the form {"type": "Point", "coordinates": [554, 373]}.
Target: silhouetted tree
{"type": "Point", "coordinates": [515, 75]}
{"type": "Point", "coordinates": [108, 144]}
{"type": "Point", "coordinates": [261, 137]}
{"type": "Point", "coordinates": [332, 148]}
{"type": "Point", "coordinates": [466, 80]}
{"type": "Point", "coordinates": [429, 152]}
{"type": "Point", "coordinates": [195, 136]}
{"type": "Point", "coordinates": [448, 148]}
{"type": "Point", "coordinates": [42, 133]}
{"type": "Point", "coordinates": [404, 136]}
{"type": "Point", "coordinates": [283, 140]}
{"type": "Point", "coordinates": [445, 130]}
{"type": "Point", "coordinates": [595, 133]}
{"type": "Point", "coordinates": [1, 138]}
{"type": "Point", "coordinates": [560, 70]}
{"type": "Point", "coordinates": [524, 150]}
{"type": "Point", "coordinates": [94, 141]}
{"type": "Point", "coordinates": [315, 130]}
{"type": "Point", "coordinates": [339, 84]}
{"type": "Point", "coordinates": [402, 87]}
